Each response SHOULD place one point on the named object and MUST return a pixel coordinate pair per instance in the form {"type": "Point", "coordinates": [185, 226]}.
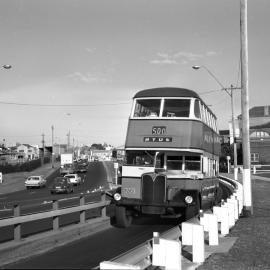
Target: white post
{"type": "Point", "coordinates": [213, 230]}
{"type": "Point", "coordinates": [173, 255]}
{"type": "Point", "coordinates": [186, 233]}
{"type": "Point", "coordinates": [228, 163]}
{"type": "Point", "coordinates": [116, 172]}
{"type": "Point", "coordinates": [231, 213]}
{"type": "Point", "coordinates": [197, 243]}
{"type": "Point", "coordinates": [224, 226]}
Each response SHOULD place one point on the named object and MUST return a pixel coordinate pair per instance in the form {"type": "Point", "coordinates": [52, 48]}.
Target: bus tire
{"type": "Point", "coordinates": [122, 219]}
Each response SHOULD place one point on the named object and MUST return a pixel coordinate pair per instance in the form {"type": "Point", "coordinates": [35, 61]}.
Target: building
{"type": "Point", "coordinates": [27, 152]}
{"type": "Point", "coordinates": [259, 118]}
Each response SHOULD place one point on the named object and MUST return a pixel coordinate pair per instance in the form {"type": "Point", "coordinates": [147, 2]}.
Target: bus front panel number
{"type": "Point", "coordinates": [158, 130]}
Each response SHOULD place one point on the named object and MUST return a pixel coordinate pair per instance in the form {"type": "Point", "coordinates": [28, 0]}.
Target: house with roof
{"type": "Point", "coordinates": [27, 152]}
{"type": "Point", "coordinates": [259, 119]}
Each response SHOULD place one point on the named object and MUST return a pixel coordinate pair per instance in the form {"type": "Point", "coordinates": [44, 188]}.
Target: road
{"type": "Point", "coordinates": [39, 200]}
{"type": "Point", "coordinates": [89, 252]}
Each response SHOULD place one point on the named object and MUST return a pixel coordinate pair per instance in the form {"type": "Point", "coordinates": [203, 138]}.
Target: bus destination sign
{"type": "Point", "coordinates": [157, 139]}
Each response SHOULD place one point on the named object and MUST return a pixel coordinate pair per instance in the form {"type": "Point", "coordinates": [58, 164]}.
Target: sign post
{"type": "Point", "coordinates": [228, 163]}
{"type": "Point", "coordinates": [116, 165]}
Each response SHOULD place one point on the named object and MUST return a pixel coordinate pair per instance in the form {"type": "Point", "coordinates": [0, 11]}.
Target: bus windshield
{"type": "Point", "coordinates": [147, 108]}
{"type": "Point", "coordinates": [176, 108]}
{"type": "Point", "coordinates": [172, 108]}
{"type": "Point", "coordinates": [140, 158]}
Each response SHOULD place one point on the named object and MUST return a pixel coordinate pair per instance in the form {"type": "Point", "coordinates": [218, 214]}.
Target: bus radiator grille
{"type": "Point", "coordinates": [153, 188]}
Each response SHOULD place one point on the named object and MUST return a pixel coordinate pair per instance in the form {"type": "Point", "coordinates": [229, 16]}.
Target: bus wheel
{"type": "Point", "coordinates": [122, 219]}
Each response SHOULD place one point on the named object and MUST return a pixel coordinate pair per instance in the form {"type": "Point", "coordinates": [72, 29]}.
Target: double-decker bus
{"type": "Point", "coordinates": [171, 157]}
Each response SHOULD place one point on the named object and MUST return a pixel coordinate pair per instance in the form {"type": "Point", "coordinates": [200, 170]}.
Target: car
{"type": "Point", "coordinates": [67, 169]}
{"type": "Point", "coordinates": [61, 185]}
{"type": "Point", "coordinates": [35, 181]}
{"type": "Point", "coordinates": [74, 178]}
{"type": "Point", "coordinates": [81, 168]}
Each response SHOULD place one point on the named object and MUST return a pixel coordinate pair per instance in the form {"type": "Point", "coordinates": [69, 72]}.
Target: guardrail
{"type": "Point", "coordinates": [165, 250]}
{"type": "Point", "coordinates": [54, 214]}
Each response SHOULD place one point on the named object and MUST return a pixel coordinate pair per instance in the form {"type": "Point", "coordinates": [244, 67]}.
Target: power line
{"type": "Point", "coordinates": [62, 105]}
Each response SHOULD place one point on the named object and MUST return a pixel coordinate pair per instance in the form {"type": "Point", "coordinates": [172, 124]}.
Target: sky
{"type": "Point", "coordinates": [77, 64]}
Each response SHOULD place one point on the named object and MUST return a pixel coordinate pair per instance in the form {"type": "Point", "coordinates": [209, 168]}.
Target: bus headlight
{"type": "Point", "coordinates": [117, 196]}
{"type": "Point", "coordinates": [188, 199]}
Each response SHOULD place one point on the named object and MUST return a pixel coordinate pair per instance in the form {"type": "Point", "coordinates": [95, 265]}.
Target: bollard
{"type": "Point", "coordinates": [204, 221]}
{"type": "Point", "coordinates": [166, 253]}
{"type": "Point", "coordinates": [235, 203]}
{"type": "Point", "coordinates": [231, 213]}
{"type": "Point", "coordinates": [173, 256]}
{"type": "Point", "coordinates": [213, 229]}
{"type": "Point", "coordinates": [197, 243]}
{"type": "Point", "coordinates": [222, 214]}
{"type": "Point", "coordinates": [224, 226]}
{"type": "Point", "coordinates": [186, 228]}
{"type": "Point", "coordinates": [158, 254]}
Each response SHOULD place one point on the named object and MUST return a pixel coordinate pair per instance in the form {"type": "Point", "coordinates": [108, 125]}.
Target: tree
{"type": "Point", "coordinates": [97, 146]}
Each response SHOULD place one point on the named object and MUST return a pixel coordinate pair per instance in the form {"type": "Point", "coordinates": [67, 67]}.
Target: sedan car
{"type": "Point", "coordinates": [61, 185]}
{"type": "Point", "coordinates": [74, 178]}
{"type": "Point", "coordinates": [37, 181]}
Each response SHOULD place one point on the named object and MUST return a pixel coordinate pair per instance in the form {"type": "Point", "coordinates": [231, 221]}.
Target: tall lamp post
{"type": "Point", "coordinates": [229, 91]}
{"type": "Point", "coordinates": [52, 146]}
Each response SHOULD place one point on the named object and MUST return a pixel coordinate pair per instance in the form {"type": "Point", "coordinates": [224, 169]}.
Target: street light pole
{"type": "Point", "coordinates": [230, 93]}
{"type": "Point", "coordinates": [247, 186]}
{"type": "Point", "coordinates": [52, 146]}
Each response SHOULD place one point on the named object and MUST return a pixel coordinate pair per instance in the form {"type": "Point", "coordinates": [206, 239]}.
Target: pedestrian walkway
{"type": "Point", "coordinates": [15, 181]}
{"type": "Point", "coordinates": [252, 247]}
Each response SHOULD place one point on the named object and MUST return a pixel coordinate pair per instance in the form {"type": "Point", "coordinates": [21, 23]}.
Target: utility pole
{"type": "Point", "coordinates": [234, 138]}
{"type": "Point", "coordinates": [52, 147]}
{"type": "Point", "coordinates": [247, 189]}
{"type": "Point", "coordinates": [43, 147]}
{"type": "Point", "coordinates": [68, 141]}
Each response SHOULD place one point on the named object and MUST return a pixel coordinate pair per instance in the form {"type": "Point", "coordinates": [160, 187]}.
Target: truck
{"type": "Point", "coordinates": [67, 164]}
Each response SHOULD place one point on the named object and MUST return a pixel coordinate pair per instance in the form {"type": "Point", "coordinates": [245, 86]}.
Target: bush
{"type": "Point", "coordinates": [22, 167]}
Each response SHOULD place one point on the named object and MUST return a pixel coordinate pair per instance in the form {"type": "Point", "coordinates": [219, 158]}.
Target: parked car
{"type": "Point", "coordinates": [61, 185]}
{"type": "Point", "coordinates": [37, 181]}
{"type": "Point", "coordinates": [74, 178]}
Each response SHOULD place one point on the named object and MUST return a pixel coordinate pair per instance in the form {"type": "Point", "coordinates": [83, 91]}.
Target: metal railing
{"type": "Point", "coordinates": [141, 256]}
{"type": "Point", "coordinates": [17, 220]}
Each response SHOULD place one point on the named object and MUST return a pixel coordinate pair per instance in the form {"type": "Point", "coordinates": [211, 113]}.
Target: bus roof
{"type": "Point", "coordinates": [166, 92]}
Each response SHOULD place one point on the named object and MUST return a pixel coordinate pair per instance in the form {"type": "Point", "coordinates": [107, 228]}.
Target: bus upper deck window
{"type": "Point", "coordinates": [197, 111]}
{"type": "Point", "coordinates": [147, 108]}
{"type": "Point", "coordinates": [176, 108]}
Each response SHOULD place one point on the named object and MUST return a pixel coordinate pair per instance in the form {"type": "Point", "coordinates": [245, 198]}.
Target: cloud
{"type": "Point", "coordinates": [90, 50]}
{"type": "Point", "coordinates": [211, 53]}
{"type": "Point", "coordinates": [86, 78]}
{"type": "Point", "coordinates": [164, 59]}
{"type": "Point", "coordinates": [179, 57]}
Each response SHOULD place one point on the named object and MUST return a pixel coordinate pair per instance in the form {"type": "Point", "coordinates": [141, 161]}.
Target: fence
{"type": "Point", "coordinates": [54, 214]}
